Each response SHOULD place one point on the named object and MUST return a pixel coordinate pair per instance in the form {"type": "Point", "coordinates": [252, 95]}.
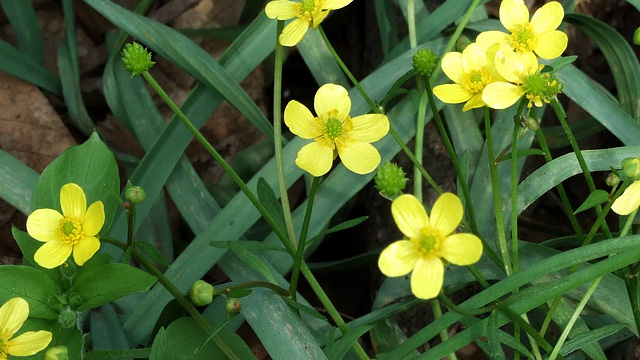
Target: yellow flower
{"type": "Point", "coordinates": [629, 201]}
{"type": "Point", "coordinates": [429, 240]}
{"type": "Point", "coordinates": [538, 35]}
{"type": "Point", "coordinates": [334, 130]}
{"type": "Point", "coordinates": [307, 13]}
{"type": "Point", "coordinates": [471, 71]}
{"type": "Point", "coordinates": [12, 315]}
{"type": "Point", "coordinates": [75, 230]}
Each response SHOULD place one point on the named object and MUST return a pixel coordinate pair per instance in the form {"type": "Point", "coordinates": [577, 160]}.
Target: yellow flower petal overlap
{"type": "Point", "coordinates": [72, 232]}
{"type": "Point", "coordinates": [334, 131]}
{"type": "Point", "coordinates": [629, 201]}
{"type": "Point", "coordinates": [13, 314]}
{"type": "Point", "coordinates": [471, 71]}
{"type": "Point", "coordinates": [430, 239]}
{"type": "Point", "coordinates": [514, 68]}
{"type": "Point", "coordinates": [306, 13]}
{"type": "Point", "coordinates": [540, 35]}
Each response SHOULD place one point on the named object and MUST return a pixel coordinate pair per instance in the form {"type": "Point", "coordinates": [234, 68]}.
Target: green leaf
{"type": "Point", "coordinates": [561, 62]}
{"type": "Point", "coordinates": [32, 285]}
{"type": "Point", "coordinates": [495, 348]}
{"type": "Point", "coordinates": [269, 200]}
{"type": "Point", "coordinates": [305, 309]}
{"type": "Point", "coordinates": [340, 347]}
{"type": "Point", "coordinates": [102, 284]}
{"type": "Point", "coordinates": [21, 65]}
{"type": "Point", "coordinates": [585, 339]}
{"type": "Point", "coordinates": [25, 25]}
{"type": "Point", "coordinates": [91, 166]}
{"type": "Point", "coordinates": [17, 181]}
{"type": "Point", "coordinates": [251, 259]}
{"type": "Point", "coordinates": [522, 153]}
{"type": "Point", "coordinates": [595, 198]}
{"type": "Point", "coordinates": [152, 252]}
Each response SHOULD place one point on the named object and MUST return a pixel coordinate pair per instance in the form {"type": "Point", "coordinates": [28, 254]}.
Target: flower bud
{"type": "Point", "coordinates": [136, 59]}
{"type": "Point", "coordinates": [613, 179]}
{"type": "Point", "coordinates": [462, 43]}
{"type": "Point", "coordinates": [67, 318]}
{"type": "Point", "coordinates": [636, 36]}
{"type": "Point", "coordinates": [57, 353]}
{"type": "Point", "coordinates": [631, 168]}
{"type": "Point", "coordinates": [532, 123]}
{"type": "Point", "coordinates": [135, 194]}
{"type": "Point", "coordinates": [390, 180]}
{"type": "Point", "coordinates": [201, 293]}
{"type": "Point", "coordinates": [425, 61]}
{"type": "Point", "coordinates": [233, 306]}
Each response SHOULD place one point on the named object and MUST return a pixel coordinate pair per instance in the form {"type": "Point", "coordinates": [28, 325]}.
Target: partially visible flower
{"type": "Point", "coordinates": [307, 13]}
{"type": "Point", "coordinates": [629, 201]}
{"type": "Point", "coordinates": [74, 231]}
{"type": "Point", "coordinates": [538, 35]}
{"type": "Point", "coordinates": [471, 71]}
{"type": "Point", "coordinates": [13, 314]}
{"type": "Point", "coordinates": [333, 130]}
{"type": "Point", "coordinates": [429, 240]}
{"type": "Point", "coordinates": [57, 353]}
{"type": "Point", "coordinates": [524, 78]}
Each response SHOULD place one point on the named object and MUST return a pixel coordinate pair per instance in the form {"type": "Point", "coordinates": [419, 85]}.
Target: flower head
{"type": "Point", "coordinates": [12, 315]}
{"type": "Point", "coordinates": [471, 71]}
{"type": "Point", "coordinates": [429, 240]}
{"type": "Point", "coordinates": [306, 13]}
{"type": "Point", "coordinates": [538, 35]}
{"type": "Point", "coordinates": [333, 130]}
{"type": "Point", "coordinates": [74, 231]}
{"type": "Point", "coordinates": [524, 78]}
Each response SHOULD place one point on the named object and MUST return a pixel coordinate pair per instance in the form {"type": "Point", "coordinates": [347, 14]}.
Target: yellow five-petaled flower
{"type": "Point", "coordinates": [74, 231]}
{"type": "Point", "coordinates": [307, 13]}
{"type": "Point", "coordinates": [429, 240]}
{"type": "Point", "coordinates": [12, 315]}
{"type": "Point", "coordinates": [334, 130]}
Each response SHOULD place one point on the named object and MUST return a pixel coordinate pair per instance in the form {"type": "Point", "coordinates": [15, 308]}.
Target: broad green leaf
{"type": "Point", "coordinates": [386, 24]}
{"type": "Point", "coordinates": [595, 198]}
{"type": "Point", "coordinates": [106, 330]}
{"type": "Point", "coordinates": [522, 153]}
{"type": "Point", "coordinates": [102, 284]}
{"type": "Point", "coordinates": [32, 285]}
{"type": "Point", "coordinates": [152, 252]}
{"type": "Point", "coordinates": [28, 247]}
{"type": "Point", "coordinates": [305, 309]}
{"type": "Point", "coordinates": [319, 60]}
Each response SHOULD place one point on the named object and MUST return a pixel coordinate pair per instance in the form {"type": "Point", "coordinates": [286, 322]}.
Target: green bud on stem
{"type": "Point", "coordinates": [136, 59]}
{"type": "Point", "coordinates": [201, 293]}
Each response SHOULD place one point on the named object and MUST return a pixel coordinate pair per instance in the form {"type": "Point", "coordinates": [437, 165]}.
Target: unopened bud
{"type": "Point", "coordinates": [135, 194]}
{"type": "Point", "coordinates": [57, 353]}
{"type": "Point", "coordinates": [425, 61]}
{"type": "Point", "coordinates": [233, 306]}
{"type": "Point", "coordinates": [636, 36]}
{"type": "Point", "coordinates": [462, 43]}
{"type": "Point", "coordinates": [67, 318]}
{"type": "Point", "coordinates": [613, 179]}
{"type": "Point", "coordinates": [631, 168]}
{"type": "Point", "coordinates": [390, 180]}
{"type": "Point", "coordinates": [136, 59]}
{"type": "Point", "coordinates": [201, 293]}
{"type": "Point", "coordinates": [532, 123]}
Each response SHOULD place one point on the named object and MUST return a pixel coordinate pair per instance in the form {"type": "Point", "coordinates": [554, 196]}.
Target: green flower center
{"type": "Point", "coordinates": [539, 87]}
{"type": "Point", "coordinates": [308, 5]}
{"type": "Point", "coordinates": [523, 38]}
{"type": "Point", "coordinates": [428, 242]}
{"type": "Point", "coordinates": [333, 128]}
{"type": "Point", "coordinates": [475, 81]}
{"type": "Point", "coordinates": [70, 230]}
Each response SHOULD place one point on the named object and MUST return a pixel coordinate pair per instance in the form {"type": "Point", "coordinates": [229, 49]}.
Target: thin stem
{"type": "Point", "coordinates": [131, 220]}
{"type": "Point", "coordinates": [444, 333]}
{"type": "Point", "coordinates": [411, 23]}
{"type": "Point", "coordinates": [277, 136]}
{"type": "Point", "coordinates": [514, 190]}
{"type": "Point", "coordinates": [295, 271]}
{"type": "Point", "coordinates": [497, 199]}
{"type": "Point", "coordinates": [419, 145]}
{"type": "Point", "coordinates": [467, 312]}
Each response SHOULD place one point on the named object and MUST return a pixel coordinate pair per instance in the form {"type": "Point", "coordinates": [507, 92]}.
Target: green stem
{"type": "Point", "coordinates": [411, 23]}
{"type": "Point", "coordinates": [467, 312]}
{"type": "Point", "coordinates": [295, 271]}
{"type": "Point", "coordinates": [560, 114]}
{"type": "Point", "coordinates": [251, 285]}
{"type": "Point", "coordinates": [631, 277]}
{"type": "Point", "coordinates": [497, 200]}
{"type": "Point", "coordinates": [444, 333]}
{"type": "Point", "coordinates": [419, 143]}
{"type": "Point", "coordinates": [277, 136]}
{"type": "Point", "coordinates": [143, 353]}
{"type": "Point", "coordinates": [131, 220]}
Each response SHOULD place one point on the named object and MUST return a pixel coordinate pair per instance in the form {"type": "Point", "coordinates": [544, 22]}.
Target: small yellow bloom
{"type": "Point", "coordinates": [538, 35]}
{"type": "Point", "coordinates": [12, 315]}
{"type": "Point", "coordinates": [629, 201]}
{"type": "Point", "coordinates": [471, 71]}
{"type": "Point", "coordinates": [333, 130]}
{"type": "Point", "coordinates": [429, 240]}
{"type": "Point", "coordinates": [307, 13]}
{"type": "Point", "coordinates": [75, 230]}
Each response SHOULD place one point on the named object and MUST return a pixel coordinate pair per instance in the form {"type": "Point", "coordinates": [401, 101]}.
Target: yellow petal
{"type": "Point", "coordinates": [626, 203]}
{"type": "Point", "coordinates": [427, 277]}
{"type": "Point", "coordinates": [474, 102]}
{"type": "Point", "coordinates": [293, 32]}
{"type": "Point", "coordinates": [369, 128]}
{"type": "Point", "coordinates": [486, 39]}
{"type": "Point", "coordinates": [73, 201]}
{"type": "Point", "coordinates": [93, 219]}
{"type": "Point", "coordinates": [315, 159]}
{"type": "Point", "coordinates": [551, 44]}
{"type": "Point", "coordinates": [43, 224]}
{"type": "Point", "coordinates": [52, 254]}
{"type": "Point", "coordinates": [512, 13]}
{"type": "Point", "coordinates": [501, 95]}
{"type": "Point", "coordinates": [359, 157]}
{"type": "Point", "coordinates": [474, 58]}
{"type": "Point", "coordinates": [508, 66]}
{"type": "Point", "coordinates": [332, 101]}
{"type": "Point", "coordinates": [12, 315]}
{"type": "Point", "coordinates": [334, 4]}
{"type": "Point", "coordinates": [318, 17]}
{"type": "Point", "coordinates": [462, 249]}
{"type": "Point", "coordinates": [452, 93]}
{"type": "Point", "coordinates": [300, 120]}
{"type": "Point", "coordinates": [398, 259]}
{"type": "Point", "coordinates": [29, 343]}
{"type": "Point", "coordinates": [452, 66]}
{"type": "Point", "coordinates": [548, 17]}
{"type": "Point", "coordinates": [85, 249]}
{"type": "Point", "coordinates": [409, 215]}
{"type": "Point", "coordinates": [447, 213]}
{"type": "Point", "coordinates": [281, 10]}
